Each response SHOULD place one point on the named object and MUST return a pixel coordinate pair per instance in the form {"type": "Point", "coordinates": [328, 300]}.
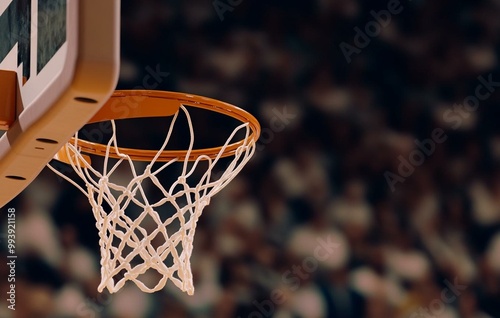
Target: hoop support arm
{"type": "Point", "coordinates": [8, 98]}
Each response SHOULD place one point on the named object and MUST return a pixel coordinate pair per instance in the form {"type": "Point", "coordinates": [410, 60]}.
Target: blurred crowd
{"type": "Point", "coordinates": [315, 225]}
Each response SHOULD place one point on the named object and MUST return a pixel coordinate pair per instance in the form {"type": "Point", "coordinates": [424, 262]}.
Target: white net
{"type": "Point", "coordinates": [129, 249]}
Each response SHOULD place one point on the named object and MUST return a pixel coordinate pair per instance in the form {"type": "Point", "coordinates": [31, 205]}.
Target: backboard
{"type": "Point", "coordinates": [66, 56]}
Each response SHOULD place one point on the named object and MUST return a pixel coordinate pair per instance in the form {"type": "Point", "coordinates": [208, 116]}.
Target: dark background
{"type": "Point", "coordinates": [325, 174]}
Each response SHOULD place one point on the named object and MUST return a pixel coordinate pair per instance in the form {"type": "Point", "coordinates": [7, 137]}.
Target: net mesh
{"type": "Point", "coordinates": [129, 248]}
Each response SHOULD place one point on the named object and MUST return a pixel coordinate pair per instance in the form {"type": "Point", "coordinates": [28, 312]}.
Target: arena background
{"type": "Point", "coordinates": [375, 188]}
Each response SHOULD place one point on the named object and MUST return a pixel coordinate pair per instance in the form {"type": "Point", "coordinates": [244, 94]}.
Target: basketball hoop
{"type": "Point", "coordinates": [123, 240]}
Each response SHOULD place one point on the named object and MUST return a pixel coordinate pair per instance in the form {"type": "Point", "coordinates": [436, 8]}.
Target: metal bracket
{"type": "Point", "coordinates": [8, 95]}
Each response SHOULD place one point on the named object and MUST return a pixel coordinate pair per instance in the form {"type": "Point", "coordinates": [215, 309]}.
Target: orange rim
{"type": "Point", "coordinates": [142, 104]}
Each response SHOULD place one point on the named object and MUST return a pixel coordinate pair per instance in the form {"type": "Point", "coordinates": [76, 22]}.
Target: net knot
{"type": "Point", "coordinates": [103, 180]}
{"type": "Point", "coordinates": [205, 201]}
{"type": "Point", "coordinates": [143, 244]}
{"type": "Point", "coordinates": [156, 259]}
{"type": "Point", "coordinates": [182, 179]}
